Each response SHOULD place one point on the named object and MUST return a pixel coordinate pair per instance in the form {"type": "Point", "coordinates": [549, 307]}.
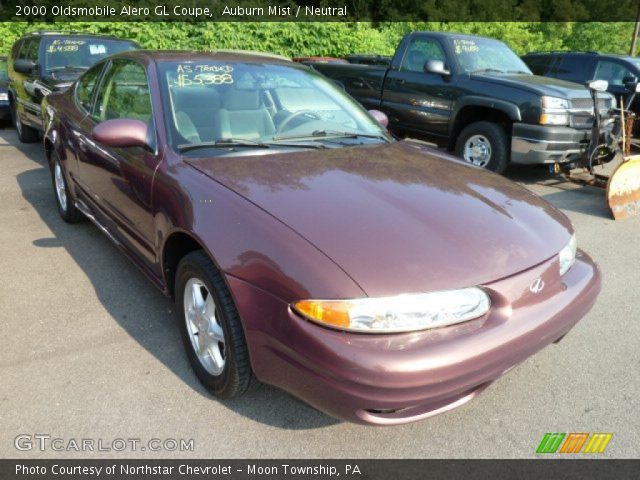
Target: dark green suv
{"type": "Point", "coordinates": [46, 61]}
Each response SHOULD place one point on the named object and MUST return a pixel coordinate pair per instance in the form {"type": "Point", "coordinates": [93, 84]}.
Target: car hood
{"type": "Point", "coordinates": [537, 84]}
{"type": "Point", "coordinates": [400, 217]}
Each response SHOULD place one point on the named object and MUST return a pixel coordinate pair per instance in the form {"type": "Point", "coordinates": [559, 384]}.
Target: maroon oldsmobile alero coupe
{"type": "Point", "coordinates": [381, 281]}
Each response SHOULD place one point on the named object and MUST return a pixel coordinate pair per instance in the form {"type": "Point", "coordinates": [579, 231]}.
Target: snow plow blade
{"type": "Point", "coordinates": [623, 189]}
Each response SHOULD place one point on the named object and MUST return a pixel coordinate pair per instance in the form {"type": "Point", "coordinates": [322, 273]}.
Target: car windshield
{"type": "Point", "coordinates": [486, 55]}
{"type": "Point", "coordinates": [220, 103]}
{"type": "Point", "coordinates": [80, 53]}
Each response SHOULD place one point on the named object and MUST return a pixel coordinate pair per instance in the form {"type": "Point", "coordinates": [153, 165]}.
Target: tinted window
{"type": "Point", "coordinates": [613, 72]}
{"type": "Point", "coordinates": [539, 65]}
{"type": "Point", "coordinates": [420, 51]}
{"type": "Point", "coordinates": [81, 52]}
{"type": "Point", "coordinates": [573, 68]}
{"type": "Point", "coordinates": [124, 93]}
{"type": "Point", "coordinates": [31, 50]}
{"type": "Point", "coordinates": [86, 86]}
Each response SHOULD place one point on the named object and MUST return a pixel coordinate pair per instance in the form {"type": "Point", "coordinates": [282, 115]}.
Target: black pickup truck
{"type": "Point", "coordinates": [474, 96]}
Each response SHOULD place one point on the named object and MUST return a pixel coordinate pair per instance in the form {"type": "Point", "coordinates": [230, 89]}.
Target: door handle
{"type": "Point", "coordinates": [357, 84]}
{"type": "Point", "coordinates": [400, 81]}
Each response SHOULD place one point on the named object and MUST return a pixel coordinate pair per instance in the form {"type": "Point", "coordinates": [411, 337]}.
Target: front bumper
{"type": "Point", "coordinates": [393, 379]}
{"type": "Point", "coordinates": [535, 144]}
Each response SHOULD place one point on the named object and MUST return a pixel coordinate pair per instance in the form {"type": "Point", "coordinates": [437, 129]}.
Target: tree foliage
{"type": "Point", "coordinates": [338, 39]}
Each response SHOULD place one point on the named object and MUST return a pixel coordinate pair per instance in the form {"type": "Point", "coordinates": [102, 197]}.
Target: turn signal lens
{"type": "Point", "coordinates": [567, 255]}
{"type": "Point", "coordinates": [402, 313]}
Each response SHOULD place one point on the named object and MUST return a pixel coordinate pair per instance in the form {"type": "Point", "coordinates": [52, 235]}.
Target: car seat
{"type": "Point", "coordinates": [243, 115]}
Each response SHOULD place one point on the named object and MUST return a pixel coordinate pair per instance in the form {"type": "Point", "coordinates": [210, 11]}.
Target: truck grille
{"type": "Point", "coordinates": [582, 111]}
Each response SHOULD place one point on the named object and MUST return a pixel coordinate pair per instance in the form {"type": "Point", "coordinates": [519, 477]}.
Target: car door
{"type": "Point", "coordinates": [76, 127]}
{"type": "Point", "coordinates": [28, 95]}
{"type": "Point", "coordinates": [120, 179]}
{"type": "Point", "coordinates": [417, 101]}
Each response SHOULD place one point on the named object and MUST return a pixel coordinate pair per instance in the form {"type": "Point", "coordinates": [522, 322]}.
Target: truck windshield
{"type": "Point", "coordinates": [214, 103]}
{"type": "Point", "coordinates": [80, 52]}
{"type": "Point", "coordinates": [476, 55]}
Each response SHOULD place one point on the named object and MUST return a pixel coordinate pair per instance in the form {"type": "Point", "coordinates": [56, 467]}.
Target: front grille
{"type": "Point", "coordinates": [587, 104]}
{"type": "Point", "coordinates": [582, 111]}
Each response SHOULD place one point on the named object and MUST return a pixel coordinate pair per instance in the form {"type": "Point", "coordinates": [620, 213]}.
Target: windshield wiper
{"type": "Point", "coordinates": [322, 134]}
{"type": "Point", "coordinates": [519, 71]}
{"type": "Point", "coordinates": [223, 143]}
{"type": "Point", "coordinates": [67, 67]}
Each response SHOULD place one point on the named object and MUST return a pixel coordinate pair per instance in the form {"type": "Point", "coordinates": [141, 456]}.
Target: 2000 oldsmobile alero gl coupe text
{"type": "Point", "coordinates": [381, 281]}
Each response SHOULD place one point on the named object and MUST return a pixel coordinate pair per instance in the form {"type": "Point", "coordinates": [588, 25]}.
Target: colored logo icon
{"type": "Point", "coordinates": [574, 442]}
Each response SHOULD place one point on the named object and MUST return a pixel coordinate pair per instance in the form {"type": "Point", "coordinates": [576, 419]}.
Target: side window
{"type": "Point", "coordinates": [86, 86]}
{"type": "Point", "coordinates": [573, 68]}
{"type": "Point", "coordinates": [23, 48]}
{"type": "Point", "coordinates": [31, 50]}
{"type": "Point", "coordinates": [420, 51]}
{"type": "Point", "coordinates": [124, 93]}
{"type": "Point", "coordinates": [613, 72]}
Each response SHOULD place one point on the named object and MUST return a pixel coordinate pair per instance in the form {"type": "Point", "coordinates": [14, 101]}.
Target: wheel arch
{"type": "Point", "coordinates": [470, 110]}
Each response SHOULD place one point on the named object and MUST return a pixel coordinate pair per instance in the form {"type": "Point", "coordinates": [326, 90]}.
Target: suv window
{"type": "Point", "coordinates": [540, 65]}
{"type": "Point", "coordinates": [86, 86]}
{"type": "Point", "coordinates": [30, 50]}
{"type": "Point", "coordinates": [613, 72]}
{"type": "Point", "coordinates": [419, 52]}
{"type": "Point", "coordinates": [124, 93]}
{"type": "Point", "coordinates": [574, 68]}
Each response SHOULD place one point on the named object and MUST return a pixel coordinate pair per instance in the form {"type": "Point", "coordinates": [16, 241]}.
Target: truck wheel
{"type": "Point", "coordinates": [25, 134]}
{"type": "Point", "coordinates": [485, 145]}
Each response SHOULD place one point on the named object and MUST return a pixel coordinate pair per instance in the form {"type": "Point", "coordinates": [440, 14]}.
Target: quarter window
{"type": "Point", "coordinates": [87, 85]}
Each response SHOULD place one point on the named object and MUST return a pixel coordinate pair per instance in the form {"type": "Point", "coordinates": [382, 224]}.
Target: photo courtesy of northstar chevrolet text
{"type": "Point", "coordinates": [287, 224]}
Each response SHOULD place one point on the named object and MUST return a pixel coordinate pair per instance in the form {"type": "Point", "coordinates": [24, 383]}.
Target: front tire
{"type": "Point", "coordinates": [485, 145]}
{"type": "Point", "coordinates": [64, 201]}
{"type": "Point", "coordinates": [26, 134]}
{"type": "Point", "coordinates": [210, 326]}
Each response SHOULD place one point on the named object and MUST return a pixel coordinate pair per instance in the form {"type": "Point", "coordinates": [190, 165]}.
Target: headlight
{"type": "Point", "coordinates": [567, 255]}
{"type": "Point", "coordinates": [554, 103]}
{"type": "Point", "coordinates": [554, 111]}
{"type": "Point", "coordinates": [4, 96]}
{"type": "Point", "coordinates": [402, 313]}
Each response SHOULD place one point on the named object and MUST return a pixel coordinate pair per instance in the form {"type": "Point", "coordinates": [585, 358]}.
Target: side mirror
{"type": "Point", "coordinates": [598, 85]}
{"type": "Point", "coordinates": [436, 66]}
{"type": "Point", "coordinates": [23, 65]}
{"type": "Point", "coordinates": [380, 117]}
{"type": "Point", "coordinates": [122, 133]}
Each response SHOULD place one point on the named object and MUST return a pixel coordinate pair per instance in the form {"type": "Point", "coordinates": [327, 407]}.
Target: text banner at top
{"type": "Point", "coordinates": [321, 10]}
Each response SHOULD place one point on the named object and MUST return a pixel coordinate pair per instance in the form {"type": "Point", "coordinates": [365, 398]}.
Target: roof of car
{"type": "Point", "coordinates": [456, 34]}
{"type": "Point", "coordinates": [593, 53]}
{"type": "Point", "coordinates": [218, 55]}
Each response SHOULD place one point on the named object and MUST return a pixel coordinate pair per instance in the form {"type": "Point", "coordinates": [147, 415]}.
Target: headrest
{"type": "Point", "coordinates": [241, 100]}
{"type": "Point", "coordinates": [195, 97]}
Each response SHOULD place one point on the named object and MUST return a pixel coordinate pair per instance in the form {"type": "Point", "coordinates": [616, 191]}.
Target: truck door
{"type": "Point", "coordinates": [415, 101]}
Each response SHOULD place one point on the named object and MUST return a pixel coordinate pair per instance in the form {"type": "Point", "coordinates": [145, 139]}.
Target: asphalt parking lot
{"type": "Point", "coordinates": [90, 349]}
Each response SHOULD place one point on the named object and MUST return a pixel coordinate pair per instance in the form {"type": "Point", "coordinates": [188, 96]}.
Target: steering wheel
{"type": "Point", "coordinates": [297, 114]}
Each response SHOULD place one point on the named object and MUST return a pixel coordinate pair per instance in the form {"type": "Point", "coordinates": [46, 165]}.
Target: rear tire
{"type": "Point", "coordinates": [210, 326]}
{"type": "Point", "coordinates": [64, 201]}
{"type": "Point", "coordinates": [26, 134]}
{"type": "Point", "coordinates": [484, 144]}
